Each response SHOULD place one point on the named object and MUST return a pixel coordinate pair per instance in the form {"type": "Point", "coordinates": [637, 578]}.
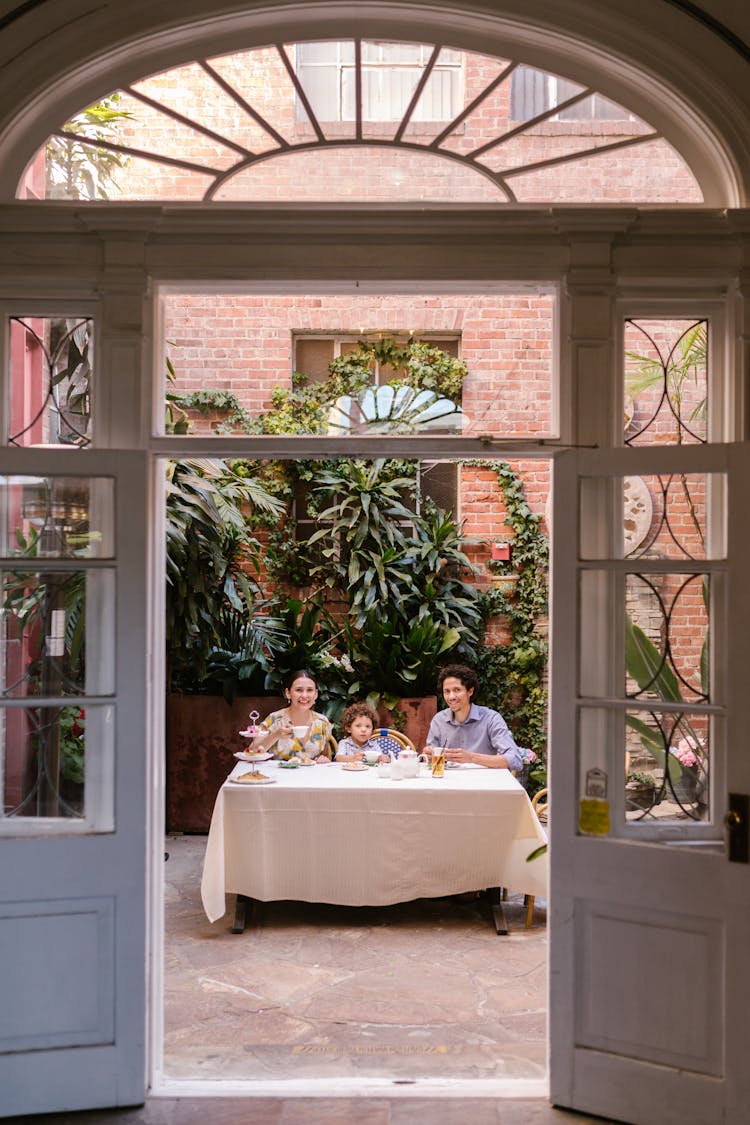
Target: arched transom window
{"type": "Point", "coordinates": [362, 121]}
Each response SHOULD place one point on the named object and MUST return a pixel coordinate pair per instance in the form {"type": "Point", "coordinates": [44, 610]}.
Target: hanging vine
{"type": "Point", "coordinates": [513, 675]}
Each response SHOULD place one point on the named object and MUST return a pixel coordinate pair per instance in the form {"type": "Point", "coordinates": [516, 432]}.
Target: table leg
{"type": "Point", "coordinates": [494, 897]}
{"type": "Point", "coordinates": [243, 908]}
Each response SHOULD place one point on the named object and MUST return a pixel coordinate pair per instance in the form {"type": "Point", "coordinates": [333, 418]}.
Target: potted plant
{"type": "Point", "coordinates": [640, 790]}
{"type": "Point", "coordinates": [685, 788]}
{"type": "Point", "coordinates": [502, 577]}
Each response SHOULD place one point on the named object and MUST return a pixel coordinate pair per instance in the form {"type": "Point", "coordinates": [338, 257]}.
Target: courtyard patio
{"type": "Point", "coordinates": [419, 990]}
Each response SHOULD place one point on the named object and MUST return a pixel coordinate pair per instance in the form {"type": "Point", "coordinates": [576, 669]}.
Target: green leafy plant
{"type": "Point", "coordinates": [637, 777]}
{"type": "Point", "coordinates": [310, 632]}
{"type": "Point", "coordinates": [382, 552]}
{"type": "Point", "coordinates": [648, 667]}
{"type": "Point", "coordinates": [211, 401]}
{"type": "Point", "coordinates": [513, 676]}
{"type": "Point", "coordinates": [213, 568]}
{"type": "Point", "coordinates": [395, 657]}
{"type": "Point", "coordinates": [76, 166]}
{"type": "Point", "coordinates": [366, 527]}
{"type": "Point", "coordinates": [686, 364]}
{"type": "Point", "coordinates": [72, 724]}
{"type": "Point", "coordinates": [425, 386]}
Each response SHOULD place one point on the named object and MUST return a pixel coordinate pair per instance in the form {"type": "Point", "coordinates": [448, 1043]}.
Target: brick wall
{"type": "Point", "coordinates": [647, 172]}
{"type": "Point", "coordinates": [245, 344]}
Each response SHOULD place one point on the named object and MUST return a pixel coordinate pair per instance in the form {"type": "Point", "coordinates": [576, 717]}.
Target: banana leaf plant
{"type": "Point", "coordinates": [650, 670]}
{"type": "Point", "coordinates": [213, 566]}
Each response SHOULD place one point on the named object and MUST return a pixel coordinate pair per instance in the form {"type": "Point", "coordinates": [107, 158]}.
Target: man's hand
{"type": "Point", "coordinates": [458, 755]}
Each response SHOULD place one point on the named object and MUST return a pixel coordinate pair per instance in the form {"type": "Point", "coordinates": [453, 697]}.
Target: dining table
{"type": "Point", "coordinates": [358, 837]}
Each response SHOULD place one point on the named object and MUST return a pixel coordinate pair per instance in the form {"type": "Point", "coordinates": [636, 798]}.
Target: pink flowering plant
{"type": "Point", "coordinates": [688, 753]}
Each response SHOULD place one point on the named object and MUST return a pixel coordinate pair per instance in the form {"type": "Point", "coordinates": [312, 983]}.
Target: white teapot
{"type": "Point", "coordinates": [409, 762]}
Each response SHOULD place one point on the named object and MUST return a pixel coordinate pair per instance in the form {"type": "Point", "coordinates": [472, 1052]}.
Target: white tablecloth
{"type": "Point", "coordinates": [324, 834]}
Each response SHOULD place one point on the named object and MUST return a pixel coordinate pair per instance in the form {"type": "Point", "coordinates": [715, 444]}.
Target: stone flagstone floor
{"type": "Point", "coordinates": [419, 990]}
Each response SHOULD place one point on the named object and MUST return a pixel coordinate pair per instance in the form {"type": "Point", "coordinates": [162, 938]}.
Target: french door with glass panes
{"type": "Point", "coordinates": [73, 566]}
{"type": "Point", "coordinates": [650, 919]}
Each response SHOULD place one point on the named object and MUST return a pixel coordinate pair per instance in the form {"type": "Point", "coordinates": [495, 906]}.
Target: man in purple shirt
{"type": "Point", "coordinates": [470, 733]}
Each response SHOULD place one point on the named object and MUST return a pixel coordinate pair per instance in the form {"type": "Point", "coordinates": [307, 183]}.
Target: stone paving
{"type": "Point", "coordinates": [419, 990]}
{"type": "Point", "coordinates": [425, 989]}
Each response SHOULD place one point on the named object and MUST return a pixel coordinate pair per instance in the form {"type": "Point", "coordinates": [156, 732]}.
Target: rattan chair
{"type": "Point", "coordinates": [391, 741]}
{"type": "Point", "coordinates": [333, 744]}
{"type": "Point", "coordinates": [540, 804]}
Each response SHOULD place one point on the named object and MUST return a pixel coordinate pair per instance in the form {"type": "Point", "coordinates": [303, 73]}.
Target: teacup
{"type": "Point", "coordinates": [371, 756]}
{"type": "Point", "coordinates": [299, 733]}
{"type": "Point", "coordinates": [384, 769]}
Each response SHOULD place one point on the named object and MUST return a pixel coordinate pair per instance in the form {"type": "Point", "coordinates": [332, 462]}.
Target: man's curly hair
{"type": "Point", "coordinates": [462, 672]}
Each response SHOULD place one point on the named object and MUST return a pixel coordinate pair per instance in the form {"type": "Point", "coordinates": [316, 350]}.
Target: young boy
{"type": "Point", "coordinates": [358, 722]}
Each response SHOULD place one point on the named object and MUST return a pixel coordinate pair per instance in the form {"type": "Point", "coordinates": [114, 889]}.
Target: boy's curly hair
{"type": "Point", "coordinates": [356, 711]}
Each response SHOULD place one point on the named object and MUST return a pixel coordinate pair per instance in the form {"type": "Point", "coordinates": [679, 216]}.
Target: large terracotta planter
{"type": "Point", "coordinates": [419, 712]}
{"type": "Point", "coordinates": [201, 736]}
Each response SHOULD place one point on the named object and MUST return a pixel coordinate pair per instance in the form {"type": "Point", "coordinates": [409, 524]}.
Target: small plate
{"type": "Point", "coordinates": [249, 733]}
{"type": "Point", "coordinates": [246, 756]}
{"type": "Point", "coordinates": [354, 767]}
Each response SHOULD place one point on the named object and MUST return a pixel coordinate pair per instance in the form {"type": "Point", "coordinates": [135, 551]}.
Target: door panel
{"type": "Point", "coordinates": [72, 907]}
{"type": "Point", "coordinates": [648, 917]}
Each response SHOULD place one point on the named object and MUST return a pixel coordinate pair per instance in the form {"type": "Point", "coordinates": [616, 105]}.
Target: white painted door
{"type": "Point", "coordinates": [650, 918]}
{"type": "Point", "coordinates": [73, 563]}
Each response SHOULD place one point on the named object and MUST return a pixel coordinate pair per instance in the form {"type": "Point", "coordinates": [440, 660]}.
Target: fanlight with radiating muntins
{"type": "Point", "coordinates": [359, 121]}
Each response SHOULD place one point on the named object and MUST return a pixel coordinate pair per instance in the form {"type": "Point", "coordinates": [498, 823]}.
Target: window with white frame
{"type": "Point", "coordinates": [535, 91]}
{"type": "Point", "coordinates": [390, 73]}
{"type": "Point", "coordinates": [437, 480]}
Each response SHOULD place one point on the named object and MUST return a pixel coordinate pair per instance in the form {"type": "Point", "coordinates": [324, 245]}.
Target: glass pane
{"type": "Point", "coordinates": [667, 766]}
{"type": "Point", "coordinates": [665, 634]}
{"type": "Point", "coordinates": [56, 762]}
{"type": "Point", "coordinates": [666, 637]}
{"type": "Point", "coordinates": [653, 517]}
{"type": "Point", "coordinates": [666, 381]}
{"type": "Point", "coordinates": [352, 173]}
{"type": "Point", "coordinates": [626, 174]}
{"type": "Point", "coordinates": [500, 384]}
{"type": "Point", "coordinates": [57, 633]}
{"type": "Point", "coordinates": [643, 769]}
{"type": "Point", "coordinates": [207, 121]}
{"type": "Point", "coordinates": [51, 378]}
{"type": "Point", "coordinates": [56, 517]}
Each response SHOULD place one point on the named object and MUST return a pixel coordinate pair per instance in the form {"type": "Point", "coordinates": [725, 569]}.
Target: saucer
{"type": "Point", "coordinates": [246, 756]}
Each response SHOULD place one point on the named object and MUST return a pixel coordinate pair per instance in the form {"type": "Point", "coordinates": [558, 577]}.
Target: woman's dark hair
{"type": "Point", "coordinates": [356, 711]}
{"type": "Point", "coordinates": [300, 674]}
{"type": "Point", "coordinates": [462, 672]}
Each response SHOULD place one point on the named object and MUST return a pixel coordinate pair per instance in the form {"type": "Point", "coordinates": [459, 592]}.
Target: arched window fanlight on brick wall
{"type": "Point", "coordinates": [360, 121]}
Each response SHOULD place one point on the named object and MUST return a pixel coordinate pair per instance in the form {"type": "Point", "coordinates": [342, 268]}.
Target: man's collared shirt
{"type": "Point", "coordinates": [483, 731]}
